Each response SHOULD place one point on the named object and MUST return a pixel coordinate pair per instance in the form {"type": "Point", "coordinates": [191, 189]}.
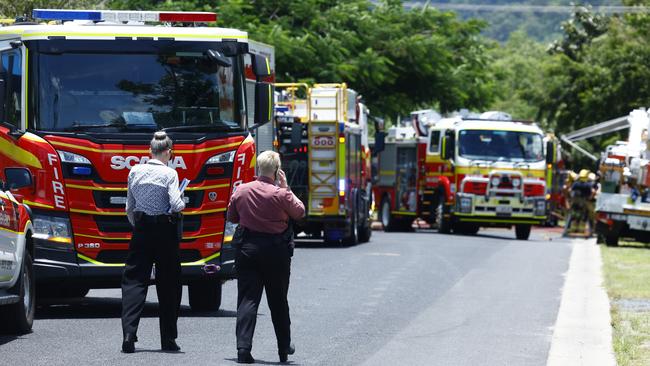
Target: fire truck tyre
{"type": "Point", "coordinates": [386, 219]}
{"type": "Point", "coordinates": [468, 229]}
{"type": "Point", "coordinates": [611, 238]}
{"type": "Point", "coordinates": [365, 231]}
{"type": "Point", "coordinates": [205, 296]}
{"type": "Point", "coordinates": [522, 231]}
{"type": "Point", "coordinates": [19, 317]}
{"type": "Point", "coordinates": [444, 224]}
{"type": "Point", "coordinates": [353, 238]}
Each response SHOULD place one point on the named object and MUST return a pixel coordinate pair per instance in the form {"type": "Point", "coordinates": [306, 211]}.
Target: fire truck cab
{"type": "Point", "coordinates": [79, 102]}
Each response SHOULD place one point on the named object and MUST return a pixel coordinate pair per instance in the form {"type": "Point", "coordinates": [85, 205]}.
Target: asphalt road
{"type": "Point", "coordinates": [402, 299]}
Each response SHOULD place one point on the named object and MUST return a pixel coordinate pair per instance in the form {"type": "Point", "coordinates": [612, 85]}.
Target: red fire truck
{"type": "Point", "coordinates": [79, 102]}
{"type": "Point", "coordinates": [397, 187]}
{"type": "Point", "coordinates": [323, 141]}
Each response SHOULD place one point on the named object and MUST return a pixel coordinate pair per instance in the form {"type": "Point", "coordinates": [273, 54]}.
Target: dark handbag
{"type": "Point", "coordinates": [288, 236]}
{"type": "Point", "coordinates": [237, 238]}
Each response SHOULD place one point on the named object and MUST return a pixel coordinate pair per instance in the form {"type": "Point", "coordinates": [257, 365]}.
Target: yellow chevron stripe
{"type": "Point", "coordinates": [36, 204]}
{"type": "Point", "coordinates": [102, 264]}
{"type": "Point", "coordinates": [18, 154]}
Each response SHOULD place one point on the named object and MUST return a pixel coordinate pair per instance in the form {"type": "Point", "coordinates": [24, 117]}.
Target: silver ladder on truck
{"type": "Point", "coordinates": [324, 155]}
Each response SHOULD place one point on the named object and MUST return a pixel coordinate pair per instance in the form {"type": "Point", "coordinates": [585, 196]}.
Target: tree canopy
{"type": "Point", "coordinates": [403, 59]}
{"type": "Point", "coordinates": [399, 60]}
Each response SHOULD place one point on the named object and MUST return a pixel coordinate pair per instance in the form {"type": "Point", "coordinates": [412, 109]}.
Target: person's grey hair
{"type": "Point", "coordinates": [160, 143]}
{"type": "Point", "coordinates": [268, 162]}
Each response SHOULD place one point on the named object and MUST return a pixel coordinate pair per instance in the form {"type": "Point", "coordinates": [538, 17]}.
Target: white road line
{"type": "Point", "coordinates": [583, 334]}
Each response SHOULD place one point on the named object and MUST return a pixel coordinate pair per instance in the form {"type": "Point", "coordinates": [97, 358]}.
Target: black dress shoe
{"type": "Point", "coordinates": [244, 356]}
{"type": "Point", "coordinates": [169, 345]}
{"type": "Point", "coordinates": [289, 351]}
{"type": "Point", "coordinates": [128, 344]}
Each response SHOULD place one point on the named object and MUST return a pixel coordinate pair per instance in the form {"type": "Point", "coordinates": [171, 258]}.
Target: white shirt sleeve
{"type": "Point", "coordinates": [176, 203]}
{"type": "Point", "coordinates": [130, 202]}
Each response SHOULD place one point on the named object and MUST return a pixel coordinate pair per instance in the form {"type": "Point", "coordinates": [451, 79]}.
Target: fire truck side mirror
{"type": "Point", "coordinates": [380, 142]}
{"type": "Point", "coordinates": [18, 178]}
{"type": "Point", "coordinates": [3, 86]}
{"type": "Point", "coordinates": [218, 58]}
{"type": "Point", "coordinates": [448, 146]}
{"type": "Point", "coordinates": [261, 66]}
{"type": "Point", "coordinates": [263, 104]}
{"type": "Point", "coordinates": [550, 152]}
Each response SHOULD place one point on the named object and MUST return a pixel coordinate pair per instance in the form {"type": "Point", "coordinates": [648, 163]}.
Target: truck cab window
{"type": "Point", "coordinates": [11, 73]}
{"type": "Point", "coordinates": [434, 145]}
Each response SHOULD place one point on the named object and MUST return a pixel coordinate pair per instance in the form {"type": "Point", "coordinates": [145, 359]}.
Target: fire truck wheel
{"type": "Point", "coordinates": [205, 296]}
{"type": "Point", "coordinates": [19, 317]}
{"type": "Point", "coordinates": [353, 238]}
{"type": "Point", "coordinates": [522, 231]}
{"type": "Point", "coordinates": [444, 224]}
{"type": "Point", "coordinates": [387, 220]}
{"type": "Point", "coordinates": [611, 239]}
{"type": "Point", "coordinates": [466, 229]}
{"type": "Point", "coordinates": [365, 231]}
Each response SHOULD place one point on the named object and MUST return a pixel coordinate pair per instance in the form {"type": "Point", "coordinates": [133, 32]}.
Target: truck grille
{"type": "Point", "coordinates": [120, 224]}
{"type": "Point", "coordinates": [119, 256]}
{"type": "Point", "coordinates": [103, 199]}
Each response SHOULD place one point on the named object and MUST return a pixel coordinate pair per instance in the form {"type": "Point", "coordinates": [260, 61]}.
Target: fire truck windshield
{"type": "Point", "coordinates": [129, 91]}
{"type": "Point", "coordinates": [496, 145]}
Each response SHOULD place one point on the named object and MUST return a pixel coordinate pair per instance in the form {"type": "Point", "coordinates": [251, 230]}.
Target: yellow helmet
{"type": "Point", "coordinates": [584, 175]}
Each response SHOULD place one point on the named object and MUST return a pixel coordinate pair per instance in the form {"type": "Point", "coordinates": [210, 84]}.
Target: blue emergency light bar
{"type": "Point", "coordinates": [123, 16]}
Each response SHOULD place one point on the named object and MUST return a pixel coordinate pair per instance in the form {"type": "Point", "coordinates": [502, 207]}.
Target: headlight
{"type": "Point", "coordinates": [52, 229]}
{"type": "Point", "coordinates": [68, 157]}
{"type": "Point", "coordinates": [495, 181]}
{"type": "Point", "coordinates": [540, 208]}
{"type": "Point", "coordinates": [465, 204]}
{"type": "Point", "coordinates": [227, 157]}
{"type": "Point", "coordinates": [516, 182]}
{"type": "Point", "coordinates": [229, 231]}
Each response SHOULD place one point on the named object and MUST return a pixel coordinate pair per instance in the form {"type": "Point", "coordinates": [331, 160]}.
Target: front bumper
{"type": "Point", "coordinates": [499, 211]}
{"type": "Point", "coordinates": [52, 264]}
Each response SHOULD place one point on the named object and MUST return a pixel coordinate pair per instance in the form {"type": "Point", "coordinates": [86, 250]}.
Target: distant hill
{"type": "Point", "coordinates": [538, 25]}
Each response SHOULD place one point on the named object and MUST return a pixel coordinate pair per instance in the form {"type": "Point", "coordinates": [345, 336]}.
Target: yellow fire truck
{"type": "Point", "coordinates": [323, 141]}
{"type": "Point", "coordinates": [487, 171]}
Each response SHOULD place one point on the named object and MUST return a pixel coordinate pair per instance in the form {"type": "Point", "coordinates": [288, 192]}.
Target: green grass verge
{"type": "Point", "coordinates": [627, 277]}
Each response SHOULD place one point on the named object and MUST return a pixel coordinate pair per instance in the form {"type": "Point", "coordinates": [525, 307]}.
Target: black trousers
{"type": "Point", "coordinates": [263, 263]}
{"type": "Point", "coordinates": [152, 243]}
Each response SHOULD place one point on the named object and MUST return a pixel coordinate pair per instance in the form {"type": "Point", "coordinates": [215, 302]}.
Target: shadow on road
{"type": "Point", "coordinates": [7, 338]}
{"type": "Point", "coordinates": [320, 244]}
{"type": "Point", "coordinates": [262, 362]}
{"type": "Point", "coordinates": [103, 307]}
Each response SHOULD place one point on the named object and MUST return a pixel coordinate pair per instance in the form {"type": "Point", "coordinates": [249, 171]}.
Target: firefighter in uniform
{"type": "Point", "coordinates": [153, 205]}
{"type": "Point", "coordinates": [263, 209]}
{"type": "Point", "coordinates": [582, 191]}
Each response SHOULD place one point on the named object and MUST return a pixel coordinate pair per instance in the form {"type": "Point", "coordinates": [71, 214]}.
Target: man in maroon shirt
{"type": "Point", "coordinates": [263, 210]}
